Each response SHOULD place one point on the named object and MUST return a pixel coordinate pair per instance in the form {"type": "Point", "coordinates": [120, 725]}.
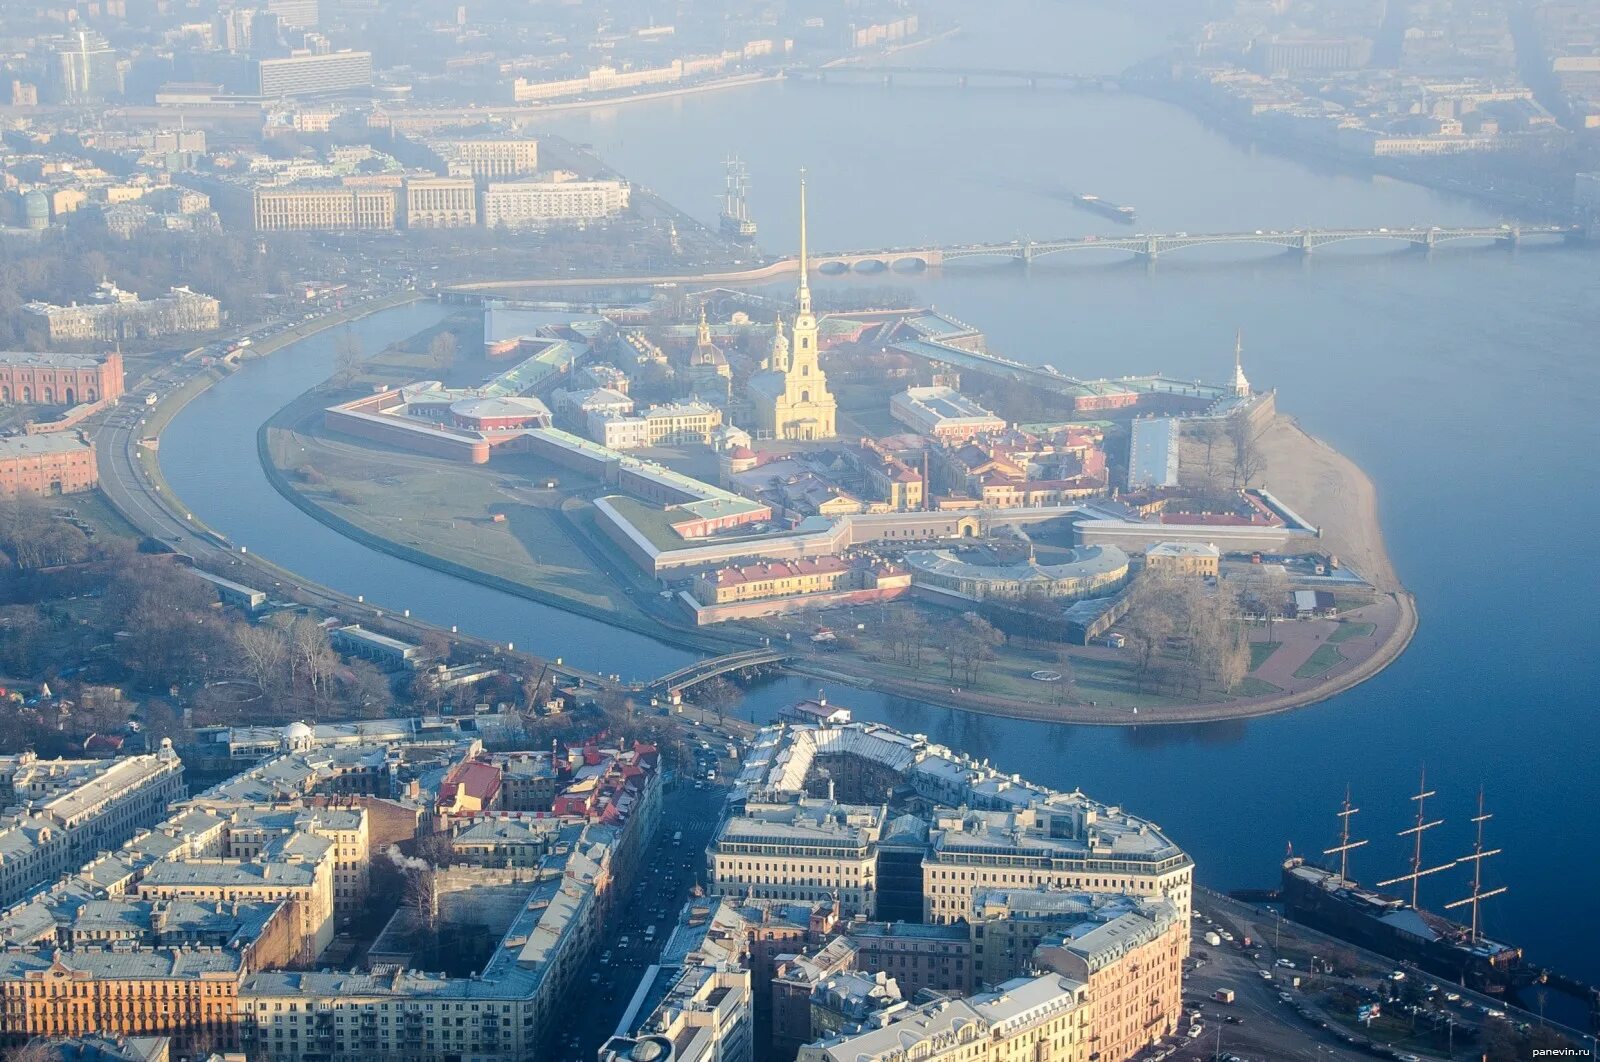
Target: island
{"type": "Point", "coordinates": [864, 495]}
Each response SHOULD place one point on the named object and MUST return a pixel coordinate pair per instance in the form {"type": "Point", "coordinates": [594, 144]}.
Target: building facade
{"type": "Point", "coordinates": [47, 465]}
{"type": "Point", "coordinates": [519, 204]}
{"type": "Point", "coordinates": [440, 203]}
{"type": "Point", "coordinates": [117, 316]}
{"type": "Point", "coordinates": [318, 208]}
{"type": "Point", "coordinates": [28, 378]}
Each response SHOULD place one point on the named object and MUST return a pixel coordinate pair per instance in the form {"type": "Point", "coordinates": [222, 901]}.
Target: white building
{"type": "Point", "coordinates": [517, 204]}
{"type": "Point", "coordinates": [944, 413]}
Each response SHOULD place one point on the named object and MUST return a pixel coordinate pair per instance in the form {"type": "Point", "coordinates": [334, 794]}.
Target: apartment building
{"type": "Point", "coordinates": [808, 850]}
{"type": "Point", "coordinates": [519, 204]}
{"type": "Point", "coordinates": [59, 813]}
{"type": "Point", "coordinates": [486, 158]}
{"type": "Point", "coordinates": [322, 208]}
{"type": "Point", "coordinates": [1065, 842]}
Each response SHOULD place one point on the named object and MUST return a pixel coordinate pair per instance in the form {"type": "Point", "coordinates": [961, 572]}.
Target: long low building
{"type": "Point", "coordinates": [1092, 571]}
{"type": "Point", "coordinates": [47, 465]}
{"type": "Point", "coordinates": [944, 413]}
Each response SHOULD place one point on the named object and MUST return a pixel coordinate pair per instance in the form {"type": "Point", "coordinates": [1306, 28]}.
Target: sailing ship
{"type": "Point", "coordinates": [736, 221]}
{"type": "Point", "coordinates": [1332, 901]}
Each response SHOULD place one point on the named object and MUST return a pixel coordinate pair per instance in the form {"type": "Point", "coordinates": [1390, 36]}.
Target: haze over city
{"type": "Point", "coordinates": [812, 531]}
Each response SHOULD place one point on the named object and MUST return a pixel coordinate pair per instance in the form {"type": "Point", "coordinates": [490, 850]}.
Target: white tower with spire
{"type": "Point", "coordinates": [1241, 386]}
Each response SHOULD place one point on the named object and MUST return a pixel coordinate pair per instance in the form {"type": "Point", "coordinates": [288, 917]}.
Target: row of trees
{"type": "Point", "coordinates": [964, 643]}
{"type": "Point", "coordinates": [1246, 460]}
{"type": "Point", "coordinates": [1182, 620]}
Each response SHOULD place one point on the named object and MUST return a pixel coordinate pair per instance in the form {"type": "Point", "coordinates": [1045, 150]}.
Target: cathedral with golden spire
{"type": "Point", "coordinates": [790, 395]}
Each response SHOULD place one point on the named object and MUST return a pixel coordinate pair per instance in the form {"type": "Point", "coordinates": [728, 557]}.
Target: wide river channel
{"type": "Point", "coordinates": [1464, 382]}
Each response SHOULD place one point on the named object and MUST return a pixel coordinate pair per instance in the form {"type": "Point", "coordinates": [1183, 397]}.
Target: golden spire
{"type": "Point", "coordinates": [705, 329]}
{"type": "Point", "coordinates": [805, 263]}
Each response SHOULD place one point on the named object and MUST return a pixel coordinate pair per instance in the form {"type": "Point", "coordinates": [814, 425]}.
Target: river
{"type": "Point", "coordinates": [1462, 383]}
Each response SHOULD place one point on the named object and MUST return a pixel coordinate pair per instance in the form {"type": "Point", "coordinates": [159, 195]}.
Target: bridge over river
{"type": "Point", "coordinates": [701, 670]}
{"type": "Point", "coordinates": [1297, 241]}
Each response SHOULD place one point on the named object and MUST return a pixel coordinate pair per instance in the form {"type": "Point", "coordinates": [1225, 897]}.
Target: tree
{"type": "Point", "coordinates": [367, 689]}
{"type": "Point", "coordinates": [308, 655]}
{"type": "Point", "coordinates": [348, 355]}
{"type": "Point", "coordinates": [1248, 460]}
{"type": "Point", "coordinates": [717, 694]}
{"type": "Point", "coordinates": [22, 630]}
{"type": "Point", "coordinates": [1067, 685]}
{"type": "Point", "coordinates": [1148, 626]}
{"type": "Point", "coordinates": [262, 650]}
{"type": "Point", "coordinates": [1208, 432]}
{"type": "Point", "coordinates": [442, 351]}
{"type": "Point", "coordinates": [970, 640]}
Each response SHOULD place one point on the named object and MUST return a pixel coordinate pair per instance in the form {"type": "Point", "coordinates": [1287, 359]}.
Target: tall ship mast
{"type": "Point", "coordinates": [736, 221]}
{"type": "Point", "coordinates": [1328, 898]}
{"type": "Point", "coordinates": [1476, 858]}
{"type": "Point", "coordinates": [1415, 832]}
{"type": "Point", "coordinates": [1345, 845]}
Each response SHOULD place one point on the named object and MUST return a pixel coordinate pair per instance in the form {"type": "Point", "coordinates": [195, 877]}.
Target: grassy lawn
{"type": "Point", "coordinates": [1106, 680]}
{"type": "Point", "coordinates": [1254, 687]}
{"type": "Point", "coordinates": [447, 510]}
{"type": "Point", "coordinates": [1260, 651]}
{"type": "Point", "coordinates": [1324, 659]}
{"type": "Point", "coordinates": [1348, 630]}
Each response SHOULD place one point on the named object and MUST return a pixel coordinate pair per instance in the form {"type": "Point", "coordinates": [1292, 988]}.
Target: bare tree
{"type": "Point", "coordinates": [1208, 432]}
{"type": "Point", "coordinates": [970, 640]}
{"type": "Point", "coordinates": [717, 694]}
{"type": "Point", "coordinates": [1248, 460]}
{"type": "Point", "coordinates": [348, 355]}
{"type": "Point", "coordinates": [310, 656]}
{"type": "Point", "coordinates": [442, 351]}
{"type": "Point", "coordinates": [1067, 684]}
{"type": "Point", "coordinates": [262, 650]}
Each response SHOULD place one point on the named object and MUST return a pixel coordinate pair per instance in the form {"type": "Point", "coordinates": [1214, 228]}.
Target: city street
{"type": "Point", "coordinates": [670, 869]}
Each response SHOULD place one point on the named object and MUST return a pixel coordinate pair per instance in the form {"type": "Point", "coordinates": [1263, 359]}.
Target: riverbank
{"type": "Point", "coordinates": [719, 85]}
{"type": "Point", "coordinates": [138, 492]}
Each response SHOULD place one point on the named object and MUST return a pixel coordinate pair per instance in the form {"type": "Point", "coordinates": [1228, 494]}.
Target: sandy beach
{"type": "Point", "coordinates": [1328, 489]}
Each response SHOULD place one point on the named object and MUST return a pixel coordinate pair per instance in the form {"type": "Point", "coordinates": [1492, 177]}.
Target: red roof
{"type": "Point", "coordinates": [474, 779]}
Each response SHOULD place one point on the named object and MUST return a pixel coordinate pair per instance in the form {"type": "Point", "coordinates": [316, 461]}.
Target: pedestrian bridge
{"type": "Point", "coordinates": [701, 670]}
{"type": "Point", "coordinates": [1299, 241]}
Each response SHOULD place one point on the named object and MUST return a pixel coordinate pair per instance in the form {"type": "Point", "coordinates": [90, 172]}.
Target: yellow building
{"type": "Point", "coordinates": [1184, 558]}
{"type": "Point", "coordinates": [190, 994]}
{"type": "Point", "coordinates": [787, 578]}
{"type": "Point", "coordinates": [791, 397]}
